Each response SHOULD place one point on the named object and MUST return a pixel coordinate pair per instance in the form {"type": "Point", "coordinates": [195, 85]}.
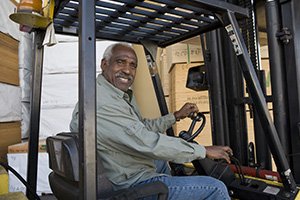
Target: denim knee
{"type": "Point", "coordinates": [221, 186]}
{"type": "Point", "coordinates": [193, 187]}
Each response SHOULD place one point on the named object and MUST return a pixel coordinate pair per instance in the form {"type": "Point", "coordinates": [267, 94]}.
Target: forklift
{"type": "Point", "coordinates": [228, 31]}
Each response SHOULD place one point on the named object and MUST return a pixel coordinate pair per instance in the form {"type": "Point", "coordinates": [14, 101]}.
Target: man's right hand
{"type": "Point", "coordinates": [219, 152]}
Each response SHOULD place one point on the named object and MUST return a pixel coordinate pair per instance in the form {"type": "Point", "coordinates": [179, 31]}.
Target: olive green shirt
{"type": "Point", "coordinates": [127, 143]}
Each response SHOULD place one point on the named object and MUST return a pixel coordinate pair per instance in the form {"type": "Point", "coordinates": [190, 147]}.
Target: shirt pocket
{"type": "Point", "coordinates": [134, 128]}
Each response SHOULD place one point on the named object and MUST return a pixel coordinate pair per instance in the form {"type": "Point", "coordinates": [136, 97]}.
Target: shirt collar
{"type": "Point", "coordinates": [125, 95]}
{"type": "Point", "coordinates": [128, 95]}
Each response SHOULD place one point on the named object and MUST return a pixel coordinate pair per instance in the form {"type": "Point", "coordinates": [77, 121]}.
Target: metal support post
{"type": "Point", "coordinates": [278, 80]}
{"type": "Point", "coordinates": [263, 156]}
{"type": "Point", "coordinates": [157, 85]}
{"type": "Point", "coordinates": [217, 93]}
{"type": "Point", "coordinates": [150, 50]}
{"type": "Point", "coordinates": [290, 38]}
{"type": "Point", "coordinates": [35, 104]}
{"type": "Point", "coordinates": [236, 110]}
{"type": "Point", "coordinates": [87, 101]}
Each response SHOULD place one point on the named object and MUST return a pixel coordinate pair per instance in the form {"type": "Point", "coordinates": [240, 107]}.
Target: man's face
{"type": "Point", "coordinates": [121, 68]}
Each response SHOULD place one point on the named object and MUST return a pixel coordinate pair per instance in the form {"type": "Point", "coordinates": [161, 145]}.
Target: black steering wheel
{"type": "Point", "coordinates": [189, 135]}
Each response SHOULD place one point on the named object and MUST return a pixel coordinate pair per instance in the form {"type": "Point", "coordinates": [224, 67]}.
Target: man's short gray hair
{"type": "Point", "coordinates": [109, 50]}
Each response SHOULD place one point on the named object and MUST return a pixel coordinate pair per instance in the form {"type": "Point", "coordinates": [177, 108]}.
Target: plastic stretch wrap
{"type": "Point", "coordinates": [25, 75]}
{"type": "Point", "coordinates": [10, 103]}
{"type": "Point", "coordinates": [18, 161]}
{"type": "Point", "coordinates": [60, 83]}
{"type": "Point", "coordinates": [6, 25]}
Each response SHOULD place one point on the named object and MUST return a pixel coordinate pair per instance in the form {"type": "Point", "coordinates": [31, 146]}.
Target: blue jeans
{"type": "Point", "coordinates": [191, 187]}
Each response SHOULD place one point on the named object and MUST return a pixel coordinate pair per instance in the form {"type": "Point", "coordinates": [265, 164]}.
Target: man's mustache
{"type": "Point", "coordinates": [123, 75]}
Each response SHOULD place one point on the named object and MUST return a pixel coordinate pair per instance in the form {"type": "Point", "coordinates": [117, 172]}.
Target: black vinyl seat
{"type": "Point", "coordinates": [64, 178]}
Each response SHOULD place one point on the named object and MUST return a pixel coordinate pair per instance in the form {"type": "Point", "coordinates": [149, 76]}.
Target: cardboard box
{"type": "Point", "coordinates": [9, 56]}
{"type": "Point", "coordinates": [10, 133]}
{"type": "Point", "coordinates": [264, 52]}
{"type": "Point", "coordinates": [266, 66]}
{"type": "Point", "coordinates": [164, 72]}
{"type": "Point", "coordinates": [183, 53]}
{"type": "Point", "coordinates": [23, 147]}
{"type": "Point", "coordinates": [18, 161]}
{"type": "Point", "coordinates": [17, 158]}
{"type": "Point", "coordinates": [180, 95]}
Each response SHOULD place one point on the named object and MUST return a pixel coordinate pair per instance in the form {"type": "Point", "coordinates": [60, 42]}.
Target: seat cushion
{"type": "Point", "coordinates": [62, 188]}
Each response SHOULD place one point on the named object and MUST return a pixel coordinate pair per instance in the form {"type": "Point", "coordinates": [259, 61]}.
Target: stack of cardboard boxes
{"type": "Point", "coordinates": [18, 157]}
{"type": "Point", "coordinates": [178, 59]}
{"type": "Point", "coordinates": [10, 104]}
{"type": "Point", "coordinates": [265, 66]}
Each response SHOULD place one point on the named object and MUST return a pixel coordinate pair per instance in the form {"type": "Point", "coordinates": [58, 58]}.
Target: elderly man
{"type": "Point", "coordinates": [128, 144]}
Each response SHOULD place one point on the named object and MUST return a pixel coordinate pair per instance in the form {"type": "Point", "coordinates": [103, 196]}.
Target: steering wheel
{"type": "Point", "coordinates": [189, 136]}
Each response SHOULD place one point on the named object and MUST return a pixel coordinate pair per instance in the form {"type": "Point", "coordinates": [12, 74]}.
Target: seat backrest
{"type": "Point", "coordinates": [63, 155]}
{"type": "Point", "coordinates": [63, 150]}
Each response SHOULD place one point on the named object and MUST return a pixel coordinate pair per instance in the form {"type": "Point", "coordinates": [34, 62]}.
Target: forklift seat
{"type": "Point", "coordinates": [64, 178]}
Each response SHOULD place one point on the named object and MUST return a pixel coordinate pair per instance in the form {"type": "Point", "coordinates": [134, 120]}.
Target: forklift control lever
{"type": "Point", "coordinates": [189, 135]}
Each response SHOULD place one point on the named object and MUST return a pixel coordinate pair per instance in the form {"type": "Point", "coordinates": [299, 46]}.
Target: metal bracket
{"type": "Point", "coordinates": [284, 35]}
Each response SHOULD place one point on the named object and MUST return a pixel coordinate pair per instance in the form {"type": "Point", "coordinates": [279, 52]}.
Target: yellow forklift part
{"type": "Point", "coordinates": [30, 5]}
{"type": "Point", "coordinates": [31, 13]}
{"type": "Point", "coordinates": [13, 196]}
{"type": "Point", "coordinates": [33, 20]}
{"type": "Point", "coordinates": [48, 9]}
{"type": "Point", "coordinates": [269, 182]}
{"type": "Point", "coordinates": [298, 196]}
{"type": "Point", "coordinates": [189, 165]}
{"type": "Point", "coordinates": [3, 181]}
{"type": "Point", "coordinates": [274, 183]}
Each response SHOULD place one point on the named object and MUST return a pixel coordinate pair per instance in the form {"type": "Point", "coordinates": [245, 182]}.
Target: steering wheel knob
{"type": "Point", "coordinates": [184, 135]}
{"type": "Point", "coordinates": [190, 135]}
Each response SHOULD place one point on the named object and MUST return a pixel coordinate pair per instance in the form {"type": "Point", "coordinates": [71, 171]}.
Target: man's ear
{"type": "Point", "coordinates": [104, 64]}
